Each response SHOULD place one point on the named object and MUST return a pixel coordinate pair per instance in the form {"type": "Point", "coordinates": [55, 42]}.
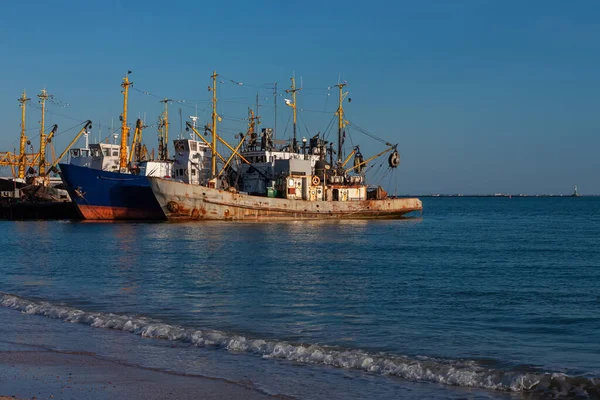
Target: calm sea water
{"type": "Point", "coordinates": [479, 298]}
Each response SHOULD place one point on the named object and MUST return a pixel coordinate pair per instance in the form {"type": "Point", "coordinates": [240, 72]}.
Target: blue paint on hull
{"type": "Point", "coordinates": [105, 195]}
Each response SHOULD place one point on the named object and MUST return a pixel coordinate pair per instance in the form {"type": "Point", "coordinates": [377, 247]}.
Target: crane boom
{"type": "Point", "coordinates": [88, 124]}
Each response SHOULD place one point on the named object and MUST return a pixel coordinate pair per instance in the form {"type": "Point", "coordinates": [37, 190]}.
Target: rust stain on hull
{"type": "Point", "coordinates": [181, 201]}
{"type": "Point", "coordinates": [101, 213]}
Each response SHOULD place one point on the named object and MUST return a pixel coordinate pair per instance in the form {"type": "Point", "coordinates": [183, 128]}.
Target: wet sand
{"type": "Point", "coordinates": [47, 374]}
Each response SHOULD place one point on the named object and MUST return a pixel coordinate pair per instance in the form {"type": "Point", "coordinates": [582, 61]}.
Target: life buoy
{"type": "Point", "coordinates": [315, 180]}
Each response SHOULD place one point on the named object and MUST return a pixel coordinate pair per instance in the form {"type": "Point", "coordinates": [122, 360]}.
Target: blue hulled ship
{"type": "Point", "coordinates": [107, 195]}
{"type": "Point", "coordinates": [107, 182]}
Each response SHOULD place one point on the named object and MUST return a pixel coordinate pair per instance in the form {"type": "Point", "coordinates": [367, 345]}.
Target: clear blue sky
{"type": "Point", "coordinates": [482, 96]}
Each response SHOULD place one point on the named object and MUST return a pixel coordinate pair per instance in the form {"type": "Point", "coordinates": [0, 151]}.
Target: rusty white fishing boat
{"type": "Point", "coordinates": [292, 183]}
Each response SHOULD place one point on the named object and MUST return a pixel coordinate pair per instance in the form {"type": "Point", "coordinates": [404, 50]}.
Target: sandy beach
{"type": "Point", "coordinates": [27, 373]}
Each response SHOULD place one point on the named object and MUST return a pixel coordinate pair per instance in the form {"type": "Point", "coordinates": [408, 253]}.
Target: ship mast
{"type": "Point", "coordinates": [275, 105]}
{"type": "Point", "coordinates": [136, 144]}
{"type": "Point", "coordinates": [253, 118]}
{"type": "Point", "coordinates": [341, 122]}
{"type": "Point", "coordinates": [293, 91]}
{"type": "Point", "coordinates": [257, 104]}
{"type": "Point", "coordinates": [251, 121]}
{"type": "Point", "coordinates": [164, 130]}
{"type": "Point", "coordinates": [124, 128]}
{"type": "Point", "coordinates": [42, 164]}
{"type": "Point", "coordinates": [23, 100]}
{"type": "Point", "coordinates": [213, 128]}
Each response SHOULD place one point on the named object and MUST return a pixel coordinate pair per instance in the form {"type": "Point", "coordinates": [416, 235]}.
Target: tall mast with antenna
{"type": "Point", "coordinates": [43, 96]}
{"type": "Point", "coordinates": [253, 119]}
{"type": "Point", "coordinates": [341, 122]}
{"type": "Point", "coordinates": [213, 128]}
{"type": "Point", "coordinates": [23, 142]}
{"type": "Point", "coordinates": [257, 104]}
{"type": "Point", "coordinates": [293, 91]}
{"type": "Point", "coordinates": [275, 104]}
{"type": "Point", "coordinates": [256, 116]}
{"type": "Point", "coordinates": [124, 128]}
{"type": "Point", "coordinates": [250, 121]}
{"type": "Point", "coordinates": [164, 128]}
{"type": "Point", "coordinates": [180, 123]}
{"type": "Point", "coordinates": [194, 119]}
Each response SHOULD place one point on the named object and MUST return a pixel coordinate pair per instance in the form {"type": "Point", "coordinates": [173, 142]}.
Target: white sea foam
{"type": "Point", "coordinates": [466, 373]}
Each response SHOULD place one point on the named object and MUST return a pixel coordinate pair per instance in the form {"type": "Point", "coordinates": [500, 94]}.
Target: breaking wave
{"type": "Point", "coordinates": [465, 373]}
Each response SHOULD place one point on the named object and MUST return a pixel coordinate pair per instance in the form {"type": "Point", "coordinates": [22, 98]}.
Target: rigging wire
{"type": "Point", "coordinates": [146, 93]}
{"type": "Point", "coordinates": [316, 111]}
{"type": "Point", "coordinates": [347, 130]}
{"type": "Point", "coordinates": [305, 126]}
{"type": "Point", "coordinates": [49, 129]}
{"type": "Point", "coordinates": [265, 86]}
{"type": "Point", "coordinates": [233, 119]}
{"type": "Point", "coordinates": [378, 175]}
{"type": "Point", "coordinates": [57, 113]}
{"type": "Point", "coordinates": [365, 132]}
{"type": "Point", "coordinates": [395, 186]}
{"type": "Point", "coordinates": [327, 99]}
{"type": "Point", "coordinates": [69, 129]}
{"type": "Point", "coordinates": [223, 79]}
{"type": "Point", "coordinates": [33, 138]}
{"type": "Point", "coordinates": [288, 123]}
{"type": "Point", "coordinates": [234, 101]}
{"type": "Point", "coordinates": [328, 128]}
{"type": "Point", "coordinates": [182, 102]}
{"type": "Point", "coordinates": [14, 142]}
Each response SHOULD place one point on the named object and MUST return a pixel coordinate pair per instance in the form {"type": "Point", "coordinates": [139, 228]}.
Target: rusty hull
{"type": "Point", "coordinates": [104, 213]}
{"type": "Point", "coordinates": [182, 201]}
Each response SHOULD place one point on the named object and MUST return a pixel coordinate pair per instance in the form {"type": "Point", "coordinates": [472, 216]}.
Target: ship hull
{"type": "Point", "coordinates": [181, 201]}
{"type": "Point", "coordinates": [104, 195]}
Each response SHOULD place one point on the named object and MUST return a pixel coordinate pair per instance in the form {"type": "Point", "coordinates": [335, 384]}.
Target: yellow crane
{"type": "Point", "coordinates": [88, 125]}
{"type": "Point", "coordinates": [23, 142]}
{"type": "Point", "coordinates": [138, 150]}
{"type": "Point", "coordinates": [49, 144]}
{"type": "Point", "coordinates": [43, 96]}
{"type": "Point", "coordinates": [163, 135]}
{"type": "Point", "coordinates": [8, 159]}
{"type": "Point", "coordinates": [23, 160]}
{"type": "Point", "coordinates": [124, 128]}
